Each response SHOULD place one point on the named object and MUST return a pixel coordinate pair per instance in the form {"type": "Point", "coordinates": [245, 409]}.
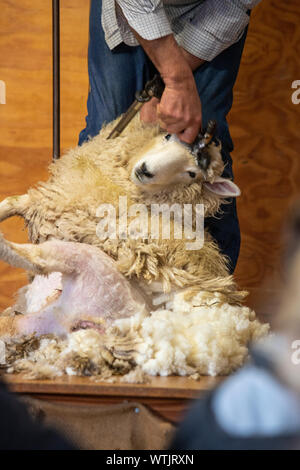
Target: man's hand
{"type": "Point", "coordinates": [149, 112]}
{"type": "Point", "coordinates": [179, 111]}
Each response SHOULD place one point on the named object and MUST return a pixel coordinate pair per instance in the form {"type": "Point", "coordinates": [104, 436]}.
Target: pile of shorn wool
{"type": "Point", "coordinates": [201, 336]}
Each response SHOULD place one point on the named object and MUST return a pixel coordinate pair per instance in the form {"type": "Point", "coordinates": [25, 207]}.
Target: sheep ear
{"type": "Point", "coordinates": [223, 187]}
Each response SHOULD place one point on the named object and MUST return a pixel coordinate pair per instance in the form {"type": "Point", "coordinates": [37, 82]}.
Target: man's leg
{"type": "Point", "coordinates": [114, 76]}
{"type": "Point", "coordinates": [215, 81]}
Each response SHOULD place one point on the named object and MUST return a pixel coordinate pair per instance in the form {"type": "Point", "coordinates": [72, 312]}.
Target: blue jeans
{"type": "Point", "coordinates": [116, 75]}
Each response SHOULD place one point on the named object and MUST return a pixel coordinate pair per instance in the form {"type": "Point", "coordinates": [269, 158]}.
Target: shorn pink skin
{"type": "Point", "coordinates": [89, 292]}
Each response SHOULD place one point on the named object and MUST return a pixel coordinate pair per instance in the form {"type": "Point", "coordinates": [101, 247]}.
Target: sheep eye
{"type": "Point", "coordinates": [192, 174]}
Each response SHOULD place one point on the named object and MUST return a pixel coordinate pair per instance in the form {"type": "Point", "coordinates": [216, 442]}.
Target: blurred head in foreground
{"type": "Point", "coordinates": [259, 406]}
{"type": "Point", "coordinates": [285, 349]}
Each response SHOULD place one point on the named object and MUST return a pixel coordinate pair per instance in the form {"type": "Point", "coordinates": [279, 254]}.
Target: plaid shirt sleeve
{"type": "Point", "coordinates": [147, 17]}
{"type": "Point", "coordinates": [204, 28]}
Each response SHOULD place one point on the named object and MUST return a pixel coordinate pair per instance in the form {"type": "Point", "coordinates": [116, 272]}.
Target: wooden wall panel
{"type": "Point", "coordinates": [264, 123]}
{"type": "Point", "coordinates": [265, 127]}
{"type": "Point", "coordinates": [26, 118]}
{"type": "Point", "coordinates": [26, 67]}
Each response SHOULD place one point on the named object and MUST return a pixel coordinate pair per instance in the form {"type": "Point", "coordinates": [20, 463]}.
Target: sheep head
{"type": "Point", "coordinates": [166, 161]}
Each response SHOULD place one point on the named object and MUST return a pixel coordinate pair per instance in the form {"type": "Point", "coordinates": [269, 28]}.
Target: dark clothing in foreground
{"type": "Point", "coordinates": [18, 431]}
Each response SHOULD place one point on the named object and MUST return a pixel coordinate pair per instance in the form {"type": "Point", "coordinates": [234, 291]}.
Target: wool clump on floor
{"type": "Point", "coordinates": [204, 336]}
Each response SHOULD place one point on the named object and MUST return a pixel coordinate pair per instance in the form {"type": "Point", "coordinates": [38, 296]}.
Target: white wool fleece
{"type": "Point", "coordinates": [208, 339]}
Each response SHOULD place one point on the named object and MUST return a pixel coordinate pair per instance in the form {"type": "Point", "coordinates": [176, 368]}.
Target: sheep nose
{"type": "Point", "coordinates": [143, 171]}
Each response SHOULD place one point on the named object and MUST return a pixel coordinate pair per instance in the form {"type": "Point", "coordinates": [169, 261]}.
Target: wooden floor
{"type": "Point", "coordinates": [264, 124]}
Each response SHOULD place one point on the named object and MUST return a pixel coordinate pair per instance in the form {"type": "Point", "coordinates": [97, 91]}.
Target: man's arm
{"type": "Point", "coordinates": [217, 25]}
{"type": "Point", "coordinates": [179, 110]}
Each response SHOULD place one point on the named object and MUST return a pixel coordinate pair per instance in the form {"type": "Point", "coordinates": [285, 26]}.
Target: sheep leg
{"type": "Point", "coordinates": [19, 257]}
{"type": "Point", "coordinates": [38, 259]}
{"type": "Point", "coordinates": [14, 205]}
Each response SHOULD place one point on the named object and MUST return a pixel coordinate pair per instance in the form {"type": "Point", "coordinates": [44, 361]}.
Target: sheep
{"type": "Point", "coordinates": [101, 171]}
{"type": "Point", "coordinates": [189, 292]}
